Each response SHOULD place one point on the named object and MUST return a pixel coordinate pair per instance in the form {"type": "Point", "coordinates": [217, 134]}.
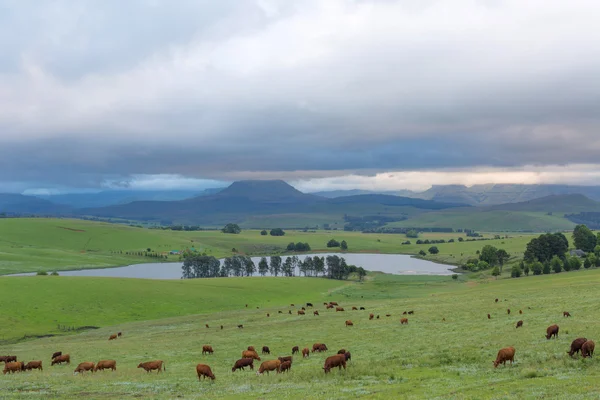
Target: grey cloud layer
{"type": "Point", "coordinates": [230, 88]}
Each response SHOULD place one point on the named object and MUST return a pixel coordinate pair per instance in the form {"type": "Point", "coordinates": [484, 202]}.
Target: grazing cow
{"type": "Point", "coordinates": [295, 350]}
{"type": "Point", "coordinates": [404, 321]}
{"type": "Point", "coordinates": [325, 304]}
{"type": "Point", "coordinates": [411, 312]}
{"type": "Point", "coordinates": [204, 372]}
{"type": "Point", "coordinates": [552, 330]}
{"type": "Point", "coordinates": [339, 309]}
{"type": "Point", "coordinates": [349, 323]}
{"type": "Point", "coordinates": [377, 316]}
{"type": "Point", "coordinates": [290, 312]}
{"type": "Point", "coordinates": [280, 312]}
{"type": "Point", "coordinates": [388, 315]}
{"type": "Point", "coordinates": [300, 312]}
{"type": "Point", "coordinates": [106, 364]}
{"type": "Point", "coordinates": [12, 367]}
{"type": "Point", "coordinates": [152, 365]}
{"type": "Point", "coordinates": [576, 345]}
{"type": "Point", "coordinates": [371, 316]}
{"type": "Point", "coordinates": [341, 351]}
{"type": "Point", "coordinates": [304, 308]}
{"type": "Point", "coordinates": [6, 359]}
{"type": "Point", "coordinates": [309, 305]}
{"type": "Point", "coordinates": [206, 325]}
{"type": "Point", "coordinates": [265, 350]}
{"type": "Point", "coordinates": [504, 355]}
{"type": "Point", "coordinates": [63, 358]}
{"type": "Point", "coordinates": [354, 309]}
{"type": "Point", "coordinates": [120, 334]}
{"type": "Point", "coordinates": [272, 365]}
{"type": "Point", "coordinates": [496, 300]}
{"type": "Point", "coordinates": [520, 311]}
{"type": "Point", "coordinates": [292, 305]}
{"type": "Point", "coordinates": [333, 303]}
{"type": "Point", "coordinates": [250, 354]}
{"type": "Point", "coordinates": [56, 354]}
{"type": "Point", "coordinates": [305, 352]}
{"type": "Point", "coordinates": [405, 312]}
{"type": "Point", "coordinates": [329, 306]}
{"type": "Point", "coordinates": [566, 314]}
{"type": "Point", "coordinates": [84, 366]}
{"type": "Point", "coordinates": [489, 316]}
{"type": "Point", "coordinates": [316, 312]}
{"type": "Point", "coordinates": [221, 326]}
{"type": "Point", "coordinates": [519, 324]}
{"type": "Point", "coordinates": [34, 365]}
{"type": "Point", "coordinates": [339, 360]}
{"type": "Point", "coordinates": [251, 348]}
{"type": "Point", "coordinates": [587, 350]}
{"type": "Point", "coordinates": [240, 326]}
{"type": "Point", "coordinates": [243, 363]}
{"type": "Point", "coordinates": [362, 308]}
{"type": "Point", "coordinates": [113, 336]}
{"type": "Point", "coordinates": [508, 311]}
{"type": "Point", "coordinates": [206, 349]}
{"type": "Point", "coordinates": [268, 315]}
{"type": "Point", "coordinates": [246, 305]}
{"type": "Point", "coordinates": [443, 319]}
{"type": "Point", "coordinates": [319, 347]}
{"type": "Point", "coordinates": [285, 366]}
{"type": "Point", "coordinates": [285, 358]}
{"type": "Point", "coordinates": [348, 356]}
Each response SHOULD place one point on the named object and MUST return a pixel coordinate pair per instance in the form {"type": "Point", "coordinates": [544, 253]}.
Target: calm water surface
{"type": "Point", "coordinates": [399, 264]}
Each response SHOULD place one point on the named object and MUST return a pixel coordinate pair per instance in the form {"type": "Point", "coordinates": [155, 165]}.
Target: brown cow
{"type": "Point", "coordinates": [520, 324]}
{"type": "Point", "coordinates": [34, 365]}
{"type": "Point", "coordinates": [295, 350]}
{"type": "Point", "coordinates": [339, 360]}
{"type": "Point", "coordinates": [552, 330]}
{"type": "Point", "coordinates": [300, 312]}
{"type": "Point", "coordinates": [206, 349]}
{"type": "Point", "coordinates": [496, 300]}
{"type": "Point", "coordinates": [388, 315]}
{"type": "Point", "coordinates": [285, 366]}
{"type": "Point", "coordinates": [251, 348]}
{"type": "Point", "coordinates": [240, 326]}
{"type": "Point", "coordinates": [325, 304]}
{"type": "Point", "coordinates": [576, 345]}
{"type": "Point", "coordinates": [587, 350]}
{"type": "Point", "coordinates": [206, 325]}
{"type": "Point", "coordinates": [404, 321]}
{"type": "Point", "coordinates": [504, 355]}
{"type": "Point", "coordinates": [292, 305]}
{"type": "Point", "coordinates": [64, 358]}
{"type": "Point", "coordinates": [339, 309]}
{"type": "Point", "coordinates": [319, 347]}
{"type": "Point", "coordinates": [489, 316]}
{"type": "Point", "coordinates": [566, 314]}
{"type": "Point", "coordinates": [152, 365]}
{"type": "Point", "coordinates": [349, 323]}
{"type": "Point", "coordinates": [304, 309]}
{"type": "Point", "coordinates": [305, 352]}
{"type": "Point", "coordinates": [84, 366]}
{"type": "Point", "coordinates": [285, 358]}
{"type": "Point", "coordinates": [204, 371]}
{"type": "Point", "coordinates": [290, 312]}
{"type": "Point", "coordinates": [243, 363]}
{"type": "Point", "coordinates": [250, 354]}
{"type": "Point", "coordinates": [342, 351]}
{"type": "Point", "coordinates": [371, 316]}
{"type": "Point", "coordinates": [508, 311]}
{"type": "Point", "coordinates": [106, 364]}
{"type": "Point", "coordinates": [280, 312]}
{"type": "Point", "coordinates": [333, 303]}
{"type": "Point", "coordinates": [265, 350]}
{"type": "Point", "coordinates": [309, 305]}
{"type": "Point", "coordinates": [405, 312]}
{"type": "Point", "coordinates": [6, 359]}
{"type": "Point", "coordinates": [12, 367]}
{"type": "Point", "coordinates": [272, 365]}
{"type": "Point", "coordinates": [268, 315]}
{"type": "Point", "coordinates": [120, 334]}
{"type": "Point", "coordinates": [354, 309]}
{"type": "Point", "coordinates": [377, 316]}
{"type": "Point", "coordinates": [329, 306]}
{"type": "Point", "coordinates": [411, 312]}
{"type": "Point", "coordinates": [56, 354]}
{"type": "Point", "coordinates": [221, 326]}
{"type": "Point", "coordinates": [316, 312]}
{"type": "Point", "coordinates": [520, 311]}
{"type": "Point", "coordinates": [113, 336]}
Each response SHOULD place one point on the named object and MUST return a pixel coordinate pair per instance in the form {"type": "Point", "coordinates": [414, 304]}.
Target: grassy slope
{"type": "Point", "coordinates": [49, 244]}
{"type": "Point", "coordinates": [489, 221]}
{"type": "Point", "coordinates": [427, 358]}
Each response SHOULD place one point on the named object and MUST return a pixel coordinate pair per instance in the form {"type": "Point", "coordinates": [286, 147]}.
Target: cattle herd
{"type": "Point", "coordinates": [281, 364]}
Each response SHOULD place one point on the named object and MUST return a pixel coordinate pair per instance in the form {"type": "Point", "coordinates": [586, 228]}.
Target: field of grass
{"type": "Point", "coordinates": [428, 358]}
{"type": "Point", "coordinates": [31, 245]}
{"type": "Point", "coordinates": [489, 221]}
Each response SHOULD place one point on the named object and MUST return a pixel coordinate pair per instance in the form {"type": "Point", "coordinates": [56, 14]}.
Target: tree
{"type": "Point", "coordinates": [422, 253]}
{"type": "Point", "coordinates": [249, 266]}
{"type": "Point", "coordinates": [287, 267]}
{"type": "Point", "coordinates": [231, 228]}
{"type": "Point", "coordinates": [586, 263]}
{"type": "Point", "coordinates": [277, 232]}
{"type": "Point", "coordinates": [361, 273]}
{"type": "Point", "coordinates": [455, 276]}
{"type": "Point", "coordinates": [489, 254]}
{"type": "Point", "coordinates": [291, 246]}
{"type": "Point", "coordinates": [544, 247]}
{"type": "Point", "coordinates": [537, 267]}
{"type": "Point", "coordinates": [344, 245]}
{"type": "Point", "coordinates": [556, 264]}
{"type": "Point", "coordinates": [461, 239]}
{"type": "Point", "coordinates": [263, 232]}
{"type": "Point", "coordinates": [526, 269]}
{"type": "Point", "coordinates": [583, 238]}
{"type": "Point", "coordinates": [263, 266]}
{"type": "Point", "coordinates": [333, 243]}
{"type": "Point", "coordinates": [574, 263]}
{"type": "Point", "coordinates": [593, 259]}
{"type": "Point", "coordinates": [546, 268]}
{"type": "Point", "coordinates": [515, 272]}
{"type": "Point", "coordinates": [482, 265]}
{"type": "Point", "coordinates": [433, 250]}
{"type": "Point", "coordinates": [275, 265]}
{"type": "Point", "coordinates": [412, 233]}
{"type": "Point", "coordinates": [496, 271]}
{"type": "Point", "coordinates": [566, 264]}
{"type": "Point", "coordinates": [502, 256]}
{"type": "Point", "coordinates": [319, 265]}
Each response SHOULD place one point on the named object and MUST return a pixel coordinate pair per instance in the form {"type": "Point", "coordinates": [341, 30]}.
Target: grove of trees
{"type": "Point", "coordinates": [231, 228]}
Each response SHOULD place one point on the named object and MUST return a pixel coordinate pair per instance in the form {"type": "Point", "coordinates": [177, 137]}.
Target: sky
{"type": "Point", "coordinates": [336, 94]}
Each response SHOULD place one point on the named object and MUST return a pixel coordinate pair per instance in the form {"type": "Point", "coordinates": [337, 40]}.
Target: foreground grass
{"type": "Point", "coordinates": [428, 358]}
{"type": "Point", "coordinates": [39, 244]}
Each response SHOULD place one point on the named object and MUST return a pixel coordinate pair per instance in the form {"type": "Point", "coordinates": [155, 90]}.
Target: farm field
{"type": "Point", "coordinates": [31, 245]}
{"type": "Point", "coordinates": [428, 358]}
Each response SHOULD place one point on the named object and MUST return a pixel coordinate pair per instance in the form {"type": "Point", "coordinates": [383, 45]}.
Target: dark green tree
{"type": "Point", "coordinates": [344, 245]}
{"type": "Point", "coordinates": [556, 264]}
{"type": "Point", "coordinates": [412, 233]}
{"type": "Point", "coordinates": [586, 263]}
{"type": "Point", "coordinates": [574, 263]}
{"type": "Point", "coordinates": [319, 265]}
{"type": "Point", "coordinates": [287, 267]}
{"type": "Point", "coordinates": [515, 272]}
{"type": "Point", "coordinates": [546, 269]}
{"type": "Point", "coordinates": [496, 271]}
{"type": "Point", "coordinates": [537, 267]}
{"type": "Point", "coordinates": [361, 273]}
{"type": "Point", "coordinates": [489, 254]}
{"type": "Point", "coordinates": [249, 266]}
{"type": "Point", "coordinates": [231, 228]}
{"type": "Point", "coordinates": [291, 246]}
{"type": "Point", "coordinates": [263, 232]}
{"type": "Point", "coordinates": [502, 256]}
{"type": "Point", "coordinates": [433, 250]}
{"type": "Point", "coordinates": [277, 232]}
{"type": "Point", "coordinates": [333, 243]}
{"type": "Point", "coordinates": [546, 246]}
{"type": "Point", "coordinates": [583, 238]}
{"type": "Point", "coordinates": [263, 266]}
{"type": "Point", "coordinates": [275, 265]}
{"type": "Point", "coordinates": [422, 253]}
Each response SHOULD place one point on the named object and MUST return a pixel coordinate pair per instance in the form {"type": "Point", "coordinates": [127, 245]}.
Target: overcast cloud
{"type": "Point", "coordinates": [327, 94]}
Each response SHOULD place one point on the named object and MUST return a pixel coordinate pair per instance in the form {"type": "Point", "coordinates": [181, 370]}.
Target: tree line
{"type": "Point", "coordinates": [332, 267]}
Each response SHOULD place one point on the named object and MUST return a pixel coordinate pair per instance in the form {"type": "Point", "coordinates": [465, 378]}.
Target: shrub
{"type": "Point", "coordinates": [496, 271]}
{"type": "Point", "coordinates": [455, 276]}
{"type": "Point", "coordinates": [263, 232]}
{"type": "Point", "coordinates": [537, 267]}
{"type": "Point", "coordinates": [231, 228]}
{"type": "Point", "coordinates": [515, 272]}
{"type": "Point", "coordinates": [433, 250]}
{"type": "Point", "coordinates": [344, 245]}
{"type": "Point", "coordinates": [422, 253]}
{"type": "Point", "coordinates": [54, 273]}
{"type": "Point", "coordinates": [277, 232]}
{"type": "Point", "coordinates": [556, 264]}
{"type": "Point", "coordinates": [546, 268]}
{"type": "Point", "coordinates": [574, 263]}
{"type": "Point", "coordinates": [42, 273]}
{"type": "Point", "coordinates": [333, 243]}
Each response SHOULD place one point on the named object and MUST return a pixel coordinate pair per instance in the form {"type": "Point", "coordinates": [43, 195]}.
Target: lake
{"type": "Point", "coordinates": [398, 264]}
